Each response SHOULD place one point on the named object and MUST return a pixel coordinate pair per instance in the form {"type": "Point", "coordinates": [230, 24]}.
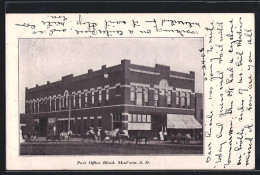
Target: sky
{"type": "Point", "coordinates": [42, 60]}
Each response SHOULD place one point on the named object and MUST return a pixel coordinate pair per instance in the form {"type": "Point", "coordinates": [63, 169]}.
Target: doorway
{"type": "Point", "coordinates": [43, 127]}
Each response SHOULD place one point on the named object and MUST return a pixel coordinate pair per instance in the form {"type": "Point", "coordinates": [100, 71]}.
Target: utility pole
{"type": "Point", "coordinates": [69, 111]}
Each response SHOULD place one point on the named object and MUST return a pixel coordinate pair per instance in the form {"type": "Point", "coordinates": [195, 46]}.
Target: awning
{"type": "Point", "coordinates": [179, 121]}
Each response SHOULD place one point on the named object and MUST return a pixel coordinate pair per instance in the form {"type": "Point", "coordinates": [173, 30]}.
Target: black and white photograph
{"type": "Point", "coordinates": [111, 96]}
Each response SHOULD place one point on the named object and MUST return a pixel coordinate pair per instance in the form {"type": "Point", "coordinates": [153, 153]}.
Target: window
{"type": "Point", "coordinates": [31, 111]}
{"type": "Point", "coordinates": [148, 119]}
{"type": "Point", "coordinates": [92, 122]}
{"type": "Point", "coordinates": [99, 121]}
{"type": "Point", "coordinates": [38, 106]}
{"type": "Point", "coordinates": [107, 94]}
{"type": "Point", "coordinates": [188, 99]}
{"type": "Point", "coordinates": [80, 100]}
{"type": "Point", "coordinates": [117, 117]}
{"type": "Point", "coordinates": [92, 96]}
{"type": "Point", "coordinates": [130, 117]}
{"type": "Point", "coordinates": [169, 98]}
{"type": "Point", "coordinates": [34, 107]}
{"type": "Point", "coordinates": [74, 101]}
{"type": "Point", "coordinates": [183, 95]}
{"type": "Point", "coordinates": [99, 96]}
{"type": "Point", "coordinates": [139, 118]}
{"type": "Point", "coordinates": [177, 98]}
{"type": "Point", "coordinates": [86, 99]}
{"type": "Point", "coordinates": [67, 101]}
{"type": "Point", "coordinates": [134, 118]}
{"type": "Point", "coordinates": [60, 103]}
{"type": "Point", "coordinates": [146, 90]}
{"type": "Point", "coordinates": [143, 118]}
{"type": "Point", "coordinates": [156, 97]}
{"type": "Point", "coordinates": [118, 90]}
{"type": "Point", "coordinates": [50, 104]}
{"type": "Point", "coordinates": [55, 103]}
{"type": "Point", "coordinates": [132, 93]}
{"type": "Point", "coordinates": [139, 96]}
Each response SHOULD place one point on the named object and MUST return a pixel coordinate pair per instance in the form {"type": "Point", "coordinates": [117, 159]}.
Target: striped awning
{"type": "Point", "coordinates": [179, 121]}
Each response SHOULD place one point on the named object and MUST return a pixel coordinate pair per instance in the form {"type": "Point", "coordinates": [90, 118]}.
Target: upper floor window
{"type": "Point", "coordinates": [169, 98]}
{"type": "Point", "coordinates": [50, 104]}
{"type": "Point", "coordinates": [183, 102]}
{"type": "Point", "coordinates": [92, 96]}
{"type": "Point", "coordinates": [55, 103]}
{"type": "Point", "coordinates": [177, 98]}
{"type": "Point", "coordinates": [79, 100]}
{"type": "Point", "coordinates": [146, 90]}
{"type": "Point", "coordinates": [67, 101]}
{"type": "Point", "coordinates": [74, 101]}
{"type": "Point", "coordinates": [63, 102]}
{"type": "Point", "coordinates": [139, 96]}
{"type": "Point", "coordinates": [38, 106]}
{"type": "Point", "coordinates": [188, 99]}
{"type": "Point", "coordinates": [60, 103]}
{"type": "Point", "coordinates": [34, 109]}
{"type": "Point", "coordinates": [86, 99]}
{"type": "Point", "coordinates": [156, 97]}
{"type": "Point", "coordinates": [132, 93]}
{"type": "Point", "coordinates": [107, 94]}
{"type": "Point", "coordinates": [99, 96]}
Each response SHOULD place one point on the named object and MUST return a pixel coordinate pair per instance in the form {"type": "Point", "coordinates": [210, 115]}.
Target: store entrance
{"type": "Point", "coordinates": [43, 127]}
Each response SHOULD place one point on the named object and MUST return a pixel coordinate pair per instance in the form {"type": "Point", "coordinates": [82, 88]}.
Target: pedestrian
{"type": "Point", "coordinates": [54, 130]}
{"type": "Point", "coordinates": [161, 135]}
{"type": "Point", "coordinates": [165, 135]}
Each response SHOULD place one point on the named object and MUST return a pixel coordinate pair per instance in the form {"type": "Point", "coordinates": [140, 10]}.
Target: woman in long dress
{"type": "Point", "coordinates": [161, 135]}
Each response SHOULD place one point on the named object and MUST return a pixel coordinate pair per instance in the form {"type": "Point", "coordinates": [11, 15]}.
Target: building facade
{"type": "Point", "coordinates": [125, 96]}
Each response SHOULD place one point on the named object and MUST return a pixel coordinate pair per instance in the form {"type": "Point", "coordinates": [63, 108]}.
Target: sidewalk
{"type": "Point", "coordinates": [79, 141]}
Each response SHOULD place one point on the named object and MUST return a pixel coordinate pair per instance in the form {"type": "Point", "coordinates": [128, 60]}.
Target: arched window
{"type": "Point", "coordinates": [163, 86]}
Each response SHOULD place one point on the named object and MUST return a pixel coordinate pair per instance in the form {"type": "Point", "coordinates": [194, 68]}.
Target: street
{"type": "Point", "coordinates": [85, 148]}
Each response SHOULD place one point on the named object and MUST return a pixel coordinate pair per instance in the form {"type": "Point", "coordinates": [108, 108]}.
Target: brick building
{"type": "Point", "coordinates": [125, 96]}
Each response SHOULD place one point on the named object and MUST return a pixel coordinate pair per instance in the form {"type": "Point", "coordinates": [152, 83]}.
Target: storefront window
{"type": "Point", "coordinates": [148, 118]}
{"type": "Point", "coordinates": [134, 118]}
{"type": "Point", "coordinates": [139, 118]}
{"type": "Point", "coordinates": [143, 118]}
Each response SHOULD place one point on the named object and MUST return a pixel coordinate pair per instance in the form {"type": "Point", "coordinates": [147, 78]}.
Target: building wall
{"type": "Point", "coordinates": [119, 80]}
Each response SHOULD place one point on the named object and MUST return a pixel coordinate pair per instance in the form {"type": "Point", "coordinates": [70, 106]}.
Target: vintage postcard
{"type": "Point", "coordinates": [130, 91]}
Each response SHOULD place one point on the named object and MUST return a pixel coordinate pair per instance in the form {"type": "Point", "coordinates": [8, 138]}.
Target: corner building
{"type": "Point", "coordinates": [125, 96]}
